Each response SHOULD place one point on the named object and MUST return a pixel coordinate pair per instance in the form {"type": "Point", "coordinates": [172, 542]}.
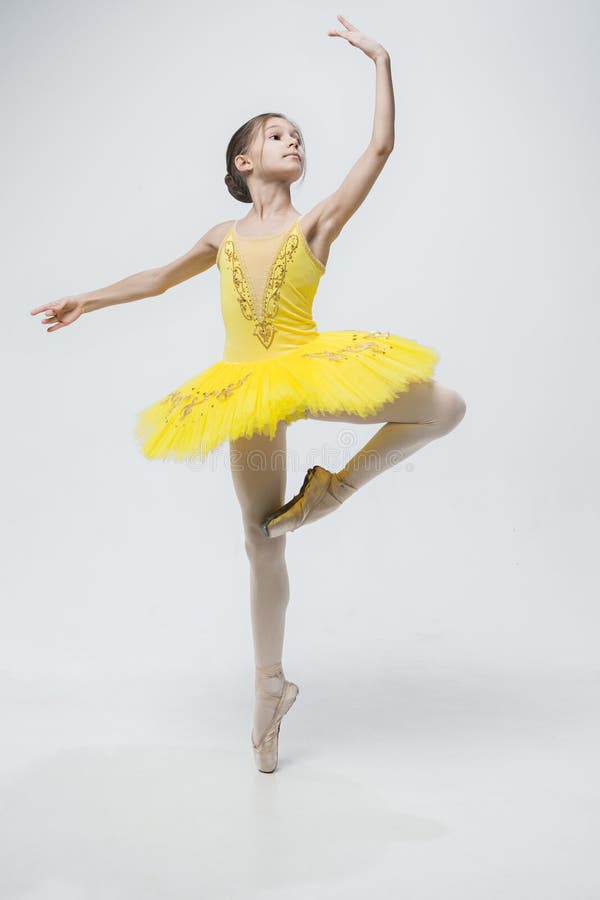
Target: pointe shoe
{"type": "Point", "coordinates": [321, 492]}
{"type": "Point", "coordinates": [266, 751]}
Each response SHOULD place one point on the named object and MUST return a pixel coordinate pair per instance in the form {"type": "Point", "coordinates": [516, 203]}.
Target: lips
{"type": "Point", "coordinates": [293, 154]}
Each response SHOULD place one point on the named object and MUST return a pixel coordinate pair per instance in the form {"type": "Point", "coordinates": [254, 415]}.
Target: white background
{"type": "Point", "coordinates": [443, 628]}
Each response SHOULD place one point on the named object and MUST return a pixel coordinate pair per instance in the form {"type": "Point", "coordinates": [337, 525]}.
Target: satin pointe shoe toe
{"type": "Point", "coordinates": [271, 524]}
{"type": "Point", "coordinates": [266, 751]}
{"type": "Point", "coordinates": [321, 493]}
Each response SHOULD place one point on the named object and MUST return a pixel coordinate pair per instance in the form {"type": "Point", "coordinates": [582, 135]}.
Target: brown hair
{"type": "Point", "coordinates": [239, 143]}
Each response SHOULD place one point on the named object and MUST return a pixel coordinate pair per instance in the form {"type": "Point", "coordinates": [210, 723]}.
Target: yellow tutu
{"type": "Point", "coordinates": [276, 366]}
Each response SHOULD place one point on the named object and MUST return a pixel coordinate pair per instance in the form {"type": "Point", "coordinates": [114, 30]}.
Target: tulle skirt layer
{"type": "Point", "coordinates": [337, 371]}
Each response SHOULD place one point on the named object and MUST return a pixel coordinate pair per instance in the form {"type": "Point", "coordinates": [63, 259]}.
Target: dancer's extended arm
{"type": "Point", "coordinates": [333, 212]}
{"type": "Point", "coordinates": [149, 283]}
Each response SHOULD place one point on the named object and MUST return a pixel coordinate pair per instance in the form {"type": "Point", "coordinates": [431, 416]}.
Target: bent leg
{"type": "Point", "coordinates": [425, 411]}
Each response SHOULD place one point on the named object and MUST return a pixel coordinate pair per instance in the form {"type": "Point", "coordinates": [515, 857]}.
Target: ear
{"type": "Point", "coordinates": [244, 162]}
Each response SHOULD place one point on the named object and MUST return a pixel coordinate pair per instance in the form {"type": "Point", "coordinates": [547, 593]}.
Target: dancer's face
{"type": "Point", "coordinates": [270, 151]}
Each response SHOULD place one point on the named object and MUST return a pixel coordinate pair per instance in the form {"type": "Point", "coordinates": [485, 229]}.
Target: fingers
{"type": "Point", "coordinates": [50, 316]}
{"type": "Point", "coordinates": [51, 313]}
{"type": "Point", "coordinates": [348, 24]}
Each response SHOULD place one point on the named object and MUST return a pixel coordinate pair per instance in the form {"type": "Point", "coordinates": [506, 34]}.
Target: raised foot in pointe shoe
{"type": "Point", "coordinates": [321, 493]}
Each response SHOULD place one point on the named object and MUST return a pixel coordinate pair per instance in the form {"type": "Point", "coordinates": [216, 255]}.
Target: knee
{"type": "Point", "coordinates": [457, 410]}
{"type": "Point", "coordinates": [259, 547]}
{"type": "Point", "coordinates": [452, 412]}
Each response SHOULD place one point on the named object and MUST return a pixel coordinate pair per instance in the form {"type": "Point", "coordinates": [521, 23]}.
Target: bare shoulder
{"type": "Point", "coordinates": [216, 235]}
{"type": "Point", "coordinates": [197, 259]}
{"type": "Point", "coordinates": [320, 230]}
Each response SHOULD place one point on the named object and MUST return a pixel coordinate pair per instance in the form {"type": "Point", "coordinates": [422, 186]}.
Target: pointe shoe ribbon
{"type": "Point", "coordinates": [266, 750]}
{"type": "Point", "coordinates": [321, 492]}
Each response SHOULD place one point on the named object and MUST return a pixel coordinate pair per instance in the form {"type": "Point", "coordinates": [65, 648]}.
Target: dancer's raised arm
{"type": "Point", "coordinates": [149, 283]}
{"type": "Point", "coordinates": [333, 212]}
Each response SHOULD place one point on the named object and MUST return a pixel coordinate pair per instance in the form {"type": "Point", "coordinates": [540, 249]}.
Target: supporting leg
{"type": "Point", "coordinates": [258, 467]}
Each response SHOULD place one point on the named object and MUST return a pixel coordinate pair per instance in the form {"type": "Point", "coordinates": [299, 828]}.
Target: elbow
{"type": "Point", "coordinates": [158, 284]}
{"type": "Point", "coordinates": [384, 149]}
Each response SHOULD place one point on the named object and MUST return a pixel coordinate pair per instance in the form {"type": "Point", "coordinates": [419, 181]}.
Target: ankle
{"type": "Point", "coordinates": [268, 680]}
{"type": "Point", "coordinates": [267, 671]}
{"type": "Point", "coordinates": [341, 486]}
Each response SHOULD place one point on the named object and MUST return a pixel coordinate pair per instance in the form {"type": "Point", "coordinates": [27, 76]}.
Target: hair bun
{"type": "Point", "coordinates": [238, 191]}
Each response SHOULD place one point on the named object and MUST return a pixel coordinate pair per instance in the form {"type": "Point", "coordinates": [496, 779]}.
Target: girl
{"type": "Point", "coordinates": [278, 368]}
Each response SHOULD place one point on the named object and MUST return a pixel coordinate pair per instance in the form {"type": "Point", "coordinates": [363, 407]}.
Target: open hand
{"type": "Point", "coordinates": [358, 39]}
{"type": "Point", "coordinates": [62, 312]}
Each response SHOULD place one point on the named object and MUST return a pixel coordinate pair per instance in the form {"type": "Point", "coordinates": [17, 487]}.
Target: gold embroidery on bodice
{"type": "Point", "coordinates": [264, 313]}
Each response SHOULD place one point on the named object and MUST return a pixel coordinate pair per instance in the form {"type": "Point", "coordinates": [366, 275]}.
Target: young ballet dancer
{"type": "Point", "coordinates": [277, 367]}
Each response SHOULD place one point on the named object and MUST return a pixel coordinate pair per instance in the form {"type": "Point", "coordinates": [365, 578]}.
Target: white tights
{"type": "Point", "coordinates": [426, 411]}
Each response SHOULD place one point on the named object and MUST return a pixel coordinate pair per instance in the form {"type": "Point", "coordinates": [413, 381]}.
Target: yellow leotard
{"type": "Point", "coordinates": [276, 365]}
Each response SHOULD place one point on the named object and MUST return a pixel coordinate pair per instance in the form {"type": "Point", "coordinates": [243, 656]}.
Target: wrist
{"type": "Point", "coordinates": [88, 304]}
{"type": "Point", "coordinates": [381, 56]}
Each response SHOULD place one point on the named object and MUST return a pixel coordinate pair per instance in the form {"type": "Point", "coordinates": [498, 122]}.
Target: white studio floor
{"type": "Point", "coordinates": [452, 781]}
